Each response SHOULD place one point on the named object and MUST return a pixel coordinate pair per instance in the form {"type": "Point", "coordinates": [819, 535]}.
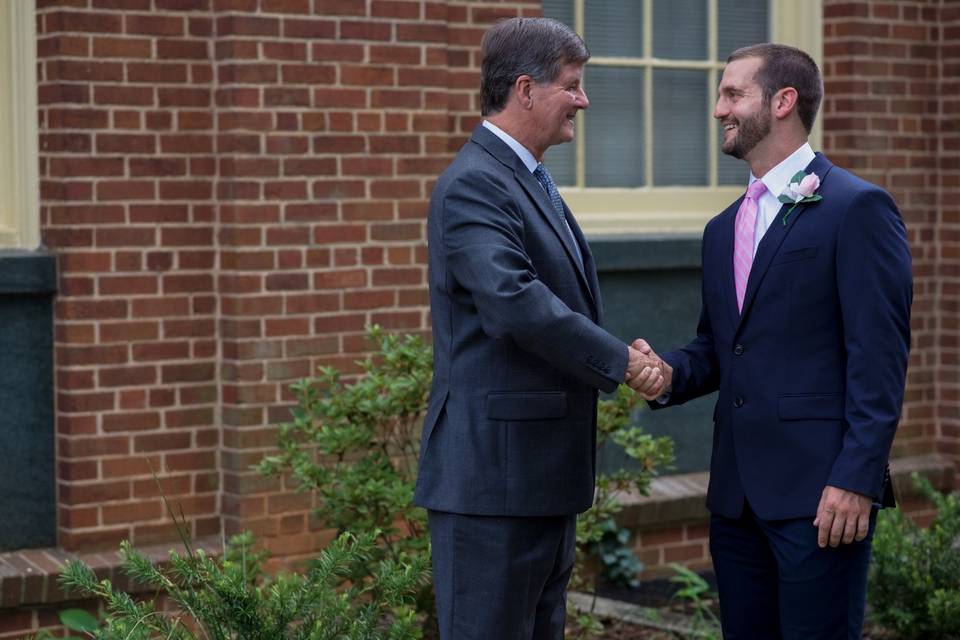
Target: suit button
{"type": "Point", "coordinates": [738, 350]}
{"type": "Point", "coordinates": [738, 402]}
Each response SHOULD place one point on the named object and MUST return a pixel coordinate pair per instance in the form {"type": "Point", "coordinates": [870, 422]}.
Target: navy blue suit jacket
{"type": "Point", "coordinates": [518, 351]}
{"type": "Point", "coordinates": [811, 375]}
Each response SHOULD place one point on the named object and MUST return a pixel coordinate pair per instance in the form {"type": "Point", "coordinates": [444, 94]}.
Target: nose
{"type": "Point", "coordinates": [720, 109]}
{"type": "Point", "coordinates": [582, 101]}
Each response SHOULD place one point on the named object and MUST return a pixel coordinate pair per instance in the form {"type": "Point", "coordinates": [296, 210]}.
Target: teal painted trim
{"type": "Point", "coordinates": [28, 272]}
{"type": "Point", "coordinates": [646, 252]}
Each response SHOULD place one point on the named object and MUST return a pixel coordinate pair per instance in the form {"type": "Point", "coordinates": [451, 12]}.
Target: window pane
{"type": "Point", "coordinates": [680, 127]}
{"type": "Point", "coordinates": [680, 29]}
{"type": "Point", "coordinates": [561, 10]}
{"type": "Point", "coordinates": [614, 27]}
{"type": "Point", "coordinates": [741, 23]}
{"type": "Point", "coordinates": [730, 171]}
{"type": "Point", "coordinates": [614, 127]}
{"type": "Point", "coordinates": [561, 160]}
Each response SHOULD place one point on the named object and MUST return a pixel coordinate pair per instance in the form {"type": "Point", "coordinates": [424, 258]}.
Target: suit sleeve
{"type": "Point", "coordinates": [875, 288]}
{"type": "Point", "coordinates": [483, 238]}
{"type": "Point", "coordinates": [696, 371]}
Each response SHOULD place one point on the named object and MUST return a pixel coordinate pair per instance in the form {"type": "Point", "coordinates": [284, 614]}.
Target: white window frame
{"type": "Point", "coordinates": [19, 145]}
{"type": "Point", "coordinates": [656, 210]}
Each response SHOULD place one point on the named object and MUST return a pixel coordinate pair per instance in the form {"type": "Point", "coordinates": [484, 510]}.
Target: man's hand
{"type": "Point", "coordinates": [645, 371]}
{"type": "Point", "coordinates": [655, 362]}
{"type": "Point", "coordinates": [842, 516]}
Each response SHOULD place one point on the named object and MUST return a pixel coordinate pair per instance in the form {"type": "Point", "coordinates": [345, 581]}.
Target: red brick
{"type": "Point", "coordinates": [122, 48]}
{"type": "Point", "coordinates": [155, 25]}
{"type": "Point", "coordinates": [310, 29]}
{"type": "Point", "coordinates": [341, 7]}
{"type": "Point", "coordinates": [247, 26]}
{"type": "Point", "coordinates": [92, 22]}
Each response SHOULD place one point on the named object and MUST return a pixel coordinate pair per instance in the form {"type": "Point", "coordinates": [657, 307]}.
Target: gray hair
{"type": "Point", "coordinates": [537, 47]}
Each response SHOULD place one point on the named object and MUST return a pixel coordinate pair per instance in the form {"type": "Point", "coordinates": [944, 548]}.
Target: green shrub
{"type": "Point", "coordinates": [914, 587]}
{"type": "Point", "coordinates": [231, 599]}
{"type": "Point", "coordinates": [356, 447]}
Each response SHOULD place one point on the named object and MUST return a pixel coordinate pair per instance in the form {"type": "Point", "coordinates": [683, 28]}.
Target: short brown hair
{"type": "Point", "coordinates": [537, 47]}
{"type": "Point", "coordinates": [782, 66]}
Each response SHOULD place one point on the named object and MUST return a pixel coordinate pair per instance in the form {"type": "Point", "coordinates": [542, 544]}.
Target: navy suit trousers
{"type": "Point", "coordinates": [775, 583]}
{"type": "Point", "coordinates": [502, 578]}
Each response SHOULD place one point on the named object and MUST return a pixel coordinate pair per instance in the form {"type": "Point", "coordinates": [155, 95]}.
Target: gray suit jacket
{"type": "Point", "coordinates": [518, 350]}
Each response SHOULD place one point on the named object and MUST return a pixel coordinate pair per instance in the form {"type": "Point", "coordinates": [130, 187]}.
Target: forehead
{"type": "Point", "coordinates": [740, 73]}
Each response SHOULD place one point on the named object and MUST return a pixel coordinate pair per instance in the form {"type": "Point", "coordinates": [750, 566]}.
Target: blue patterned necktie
{"type": "Point", "coordinates": [546, 181]}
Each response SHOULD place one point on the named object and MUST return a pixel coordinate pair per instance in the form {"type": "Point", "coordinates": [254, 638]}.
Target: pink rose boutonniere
{"type": "Point", "coordinates": [802, 189]}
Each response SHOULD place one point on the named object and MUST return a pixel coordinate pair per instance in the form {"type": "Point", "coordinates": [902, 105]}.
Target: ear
{"type": "Point", "coordinates": [784, 102]}
{"type": "Point", "coordinates": [523, 90]}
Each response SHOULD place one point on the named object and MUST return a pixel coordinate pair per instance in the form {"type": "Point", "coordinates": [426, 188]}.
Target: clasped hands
{"type": "Point", "coordinates": [647, 374]}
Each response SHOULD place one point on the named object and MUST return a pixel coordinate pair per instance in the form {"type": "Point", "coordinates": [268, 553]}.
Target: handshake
{"type": "Point", "coordinates": [647, 374]}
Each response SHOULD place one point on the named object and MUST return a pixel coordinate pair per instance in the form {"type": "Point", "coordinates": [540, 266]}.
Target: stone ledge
{"type": "Point", "coordinates": [681, 498]}
{"type": "Point", "coordinates": [30, 576]}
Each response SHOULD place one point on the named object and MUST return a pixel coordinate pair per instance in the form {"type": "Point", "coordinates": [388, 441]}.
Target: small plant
{"type": "Point", "coordinates": [621, 566]}
{"type": "Point", "coordinates": [649, 455]}
{"type": "Point", "coordinates": [697, 597]}
{"type": "Point", "coordinates": [230, 598]}
{"type": "Point", "coordinates": [356, 446]}
{"type": "Point", "coordinates": [914, 587]}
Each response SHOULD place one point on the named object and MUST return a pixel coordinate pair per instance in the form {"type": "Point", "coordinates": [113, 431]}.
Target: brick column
{"type": "Point", "coordinates": [127, 203]}
{"type": "Point", "coordinates": [891, 81]}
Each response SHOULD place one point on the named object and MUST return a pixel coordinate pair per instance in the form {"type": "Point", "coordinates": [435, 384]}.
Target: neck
{"type": "Point", "coordinates": [771, 151]}
{"type": "Point", "coordinates": [517, 130]}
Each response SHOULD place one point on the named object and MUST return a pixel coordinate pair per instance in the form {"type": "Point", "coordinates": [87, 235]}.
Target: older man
{"type": "Point", "coordinates": [508, 448]}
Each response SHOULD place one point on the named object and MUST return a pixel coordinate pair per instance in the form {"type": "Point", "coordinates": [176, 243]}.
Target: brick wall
{"type": "Point", "coordinates": [890, 115]}
{"type": "Point", "coordinates": [235, 188]}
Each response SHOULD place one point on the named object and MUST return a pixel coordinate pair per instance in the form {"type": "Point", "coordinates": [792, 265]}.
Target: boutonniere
{"type": "Point", "coordinates": [801, 190]}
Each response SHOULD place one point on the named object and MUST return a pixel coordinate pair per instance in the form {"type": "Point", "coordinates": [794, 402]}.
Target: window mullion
{"type": "Point", "coordinates": [648, 93]}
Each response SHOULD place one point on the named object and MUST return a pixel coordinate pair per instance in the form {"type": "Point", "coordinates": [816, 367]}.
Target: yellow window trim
{"type": "Point", "coordinates": [654, 210]}
{"type": "Point", "coordinates": [19, 146]}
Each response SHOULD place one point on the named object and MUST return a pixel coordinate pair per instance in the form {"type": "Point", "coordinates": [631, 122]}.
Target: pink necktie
{"type": "Point", "coordinates": [743, 239]}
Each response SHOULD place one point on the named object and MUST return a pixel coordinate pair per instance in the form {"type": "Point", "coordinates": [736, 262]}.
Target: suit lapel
{"type": "Point", "coordinates": [774, 237]}
{"type": "Point", "coordinates": [496, 147]}
{"type": "Point", "coordinates": [727, 229]}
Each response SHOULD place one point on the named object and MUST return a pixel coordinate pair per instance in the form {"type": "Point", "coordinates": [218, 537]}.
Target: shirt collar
{"type": "Point", "coordinates": [777, 179]}
{"type": "Point", "coordinates": [528, 160]}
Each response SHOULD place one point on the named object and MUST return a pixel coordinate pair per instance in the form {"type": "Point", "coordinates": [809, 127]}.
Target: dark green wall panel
{"type": "Point", "coordinates": [651, 290]}
{"type": "Point", "coordinates": [27, 508]}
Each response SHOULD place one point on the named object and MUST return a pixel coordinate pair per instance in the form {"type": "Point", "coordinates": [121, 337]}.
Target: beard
{"type": "Point", "coordinates": [750, 132]}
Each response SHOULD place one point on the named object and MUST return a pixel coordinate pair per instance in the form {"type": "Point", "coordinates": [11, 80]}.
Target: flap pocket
{"type": "Point", "coordinates": [796, 254]}
{"type": "Point", "coordinates": [815, 406]}
{"type": "Point", "coordinates": [526, 405]}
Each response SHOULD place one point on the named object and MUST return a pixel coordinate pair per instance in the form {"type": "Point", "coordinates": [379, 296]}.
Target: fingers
{"type": "Point", "coordinates": [649, 383]}
{"type": "Point", "coordinates": [842, 517]}
{"type": "Point", "coordinates": [641, 345]}
{"type": "Point", "coordinates": [863, 527]}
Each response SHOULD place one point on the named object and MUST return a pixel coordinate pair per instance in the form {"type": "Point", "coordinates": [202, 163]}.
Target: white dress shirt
{"type": "Point", "coordinates": [776, 180]}
{"type": "Point", "coordinates": [528, 160]}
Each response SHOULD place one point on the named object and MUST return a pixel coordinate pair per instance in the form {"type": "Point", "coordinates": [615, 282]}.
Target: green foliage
{"type": "Point", "coordinates": [231, 599]}
{"type": "Point", "coordinates": [620, 564]}
{"type": "Point", "coordinates": [696, 595]}
{"type": "Point", "coordinates": [914, 587]}
{"type": "Point", "coordinates": [356, 446]}
{"type": "Point", "coordinates": [649, 455]}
